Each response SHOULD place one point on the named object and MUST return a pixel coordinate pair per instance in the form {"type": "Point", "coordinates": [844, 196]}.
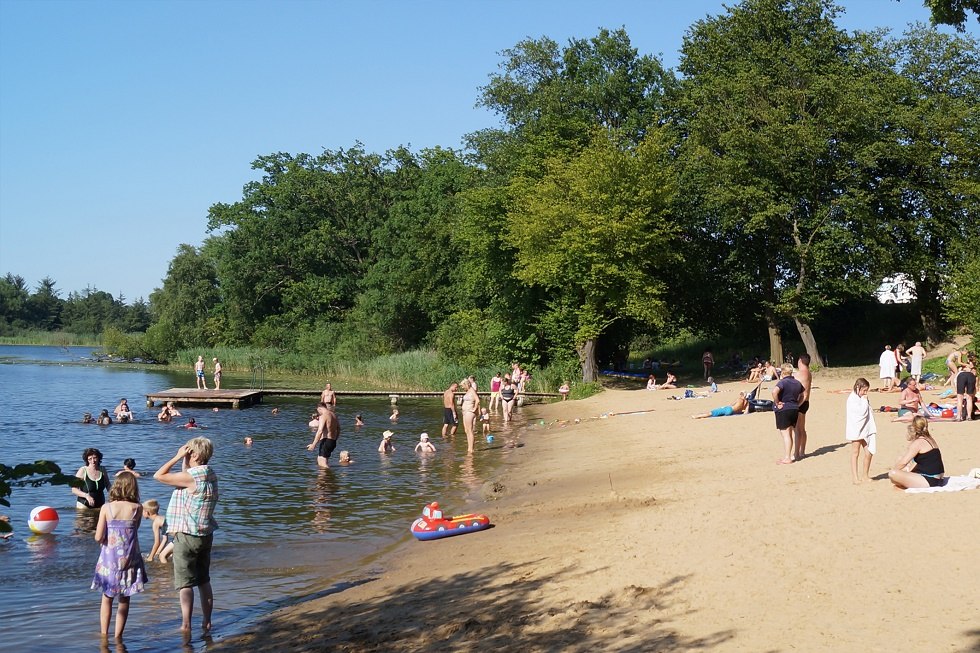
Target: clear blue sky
{"type": "Point", "coordinates": [122, 122]}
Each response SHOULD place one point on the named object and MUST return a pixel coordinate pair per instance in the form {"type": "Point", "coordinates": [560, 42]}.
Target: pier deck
{"type": "Point", "coordinates": [249, 397]}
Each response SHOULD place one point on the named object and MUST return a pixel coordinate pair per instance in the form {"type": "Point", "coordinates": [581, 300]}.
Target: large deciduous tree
{"type": "Point", "coordinates": [596, 234]}
{"type": "Point", "coordinates": [184, 305]}
{"type": "Point", "coordinates": [779, 109]}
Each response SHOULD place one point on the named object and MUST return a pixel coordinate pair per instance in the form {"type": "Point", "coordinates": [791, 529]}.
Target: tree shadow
{"type": "Point", "coordinates": [475, 611]}
{"type": "Point", "coordinates": [975, 634]}
{"type": "Point", "coordinates": [826, 449]}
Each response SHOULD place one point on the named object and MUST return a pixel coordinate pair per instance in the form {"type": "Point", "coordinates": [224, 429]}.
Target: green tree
{"type": "Point", "coordinates": [292, 250]}
{"type": "Point", "coordinates": [14, 298]}
{"type": "Point", "coordinates": [596, 230]}
{"type": "Point", "coordinates": [184, 304]}
{"type": "Point", "coordinates": [779, 108]}
{"type": "Point", "coordinates": [952, 12]}
{"type": "Point", "coordinates": [45, 306]}
{"type": "Point", "coordinates": [91, 311]}
{"type": "Point", "coordinates": [928, 181]}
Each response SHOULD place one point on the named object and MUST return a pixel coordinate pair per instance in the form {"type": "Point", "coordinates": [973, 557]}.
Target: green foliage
{"type": "Point", "coordinates": [184, 304]}
{"type": "Point", "coordinates": [963, 305]}
{"type": "Point", "coordinates": [473, 338]}
{"type": "Point", "coordinates": [33, 474]}
{"type": "Point", "coordinates": [953, 12]}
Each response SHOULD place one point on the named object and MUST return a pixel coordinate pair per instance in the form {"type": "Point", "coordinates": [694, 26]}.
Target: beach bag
{"type": "Point", "coordinates": [689, 394]}
{"type": "Point", "coordinates": [760, 406]}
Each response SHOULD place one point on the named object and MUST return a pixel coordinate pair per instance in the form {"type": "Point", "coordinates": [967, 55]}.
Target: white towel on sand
{"type": "Point", "coordinates": [952, 484]}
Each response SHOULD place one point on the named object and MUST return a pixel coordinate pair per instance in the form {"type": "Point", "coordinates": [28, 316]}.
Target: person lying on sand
{"type": "Point", "coordinates": [738, 407]}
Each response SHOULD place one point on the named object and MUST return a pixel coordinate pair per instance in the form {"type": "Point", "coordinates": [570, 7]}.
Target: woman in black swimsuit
{"type": "Point", "coordinates": [924, 452]}
{"type": "Point", "coordinates": [95, 480]}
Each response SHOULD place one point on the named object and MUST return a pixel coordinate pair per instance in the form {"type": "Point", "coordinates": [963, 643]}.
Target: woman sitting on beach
{"type": "Point", "coordinates": [924, 452]}
{"type": "Point", "coordinates": [670, 383]}
{"type": "Point", "coordinates": [652, 383]}
{"type": "Point", "coordinates": [755, 374]}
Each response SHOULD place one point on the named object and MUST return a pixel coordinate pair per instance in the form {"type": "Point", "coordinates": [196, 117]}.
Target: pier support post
{"type": "Point", "coordinates": [393, 399]}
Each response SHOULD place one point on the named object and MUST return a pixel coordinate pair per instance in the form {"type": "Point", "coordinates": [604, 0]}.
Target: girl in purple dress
{"type": "Point", "coordinates": [120, 570]}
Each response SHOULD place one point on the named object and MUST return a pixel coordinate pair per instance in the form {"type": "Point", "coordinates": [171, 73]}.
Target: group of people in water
{"type": "Point", "coordinates": [186, 532]}
{"type": "Point", "coordinates": [124, 415]}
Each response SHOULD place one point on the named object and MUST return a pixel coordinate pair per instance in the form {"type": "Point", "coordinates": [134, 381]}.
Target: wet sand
{"type": "Point", "coordinates": [650, 531]}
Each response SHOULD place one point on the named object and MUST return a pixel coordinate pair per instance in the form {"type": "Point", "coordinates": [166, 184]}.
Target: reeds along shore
{"type": "Point", "coordinates": [638, 529]}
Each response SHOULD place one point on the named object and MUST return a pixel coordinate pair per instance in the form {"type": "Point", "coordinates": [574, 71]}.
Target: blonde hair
{"type": "Point", "coordinates": [125, 488]}
{"type": "Point", "coordinates": [152, 506]}
{"type": "Point", "coordinates": [202, 447]}
{"type": "Point", "coordinates": [919, 428]}
{"type": "Point", "coordinates": [787, 369]}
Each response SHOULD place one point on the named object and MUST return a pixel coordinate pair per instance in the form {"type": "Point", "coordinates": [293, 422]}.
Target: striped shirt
{"type": "Point", "coordinates": [191, 510]}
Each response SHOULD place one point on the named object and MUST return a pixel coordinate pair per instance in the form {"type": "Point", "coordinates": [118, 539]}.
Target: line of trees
{"type": "Point", "coordinates": [785, 168]}
{"type": "Point", "coordinates": [90, 311]}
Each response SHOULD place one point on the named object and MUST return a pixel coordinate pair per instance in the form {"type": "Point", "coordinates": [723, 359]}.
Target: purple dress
{"type": "Point", "coordinates": [120, 570]}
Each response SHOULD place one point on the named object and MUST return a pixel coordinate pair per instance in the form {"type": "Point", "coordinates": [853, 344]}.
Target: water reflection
{"type": "Point", "coordinates": [42, 547]}
{"type": "Point", "coordinates": [324, 487]}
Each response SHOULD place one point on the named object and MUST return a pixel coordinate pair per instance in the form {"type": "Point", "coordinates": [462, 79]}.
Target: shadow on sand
{"type": "Point", "coordinates": [476, 611]}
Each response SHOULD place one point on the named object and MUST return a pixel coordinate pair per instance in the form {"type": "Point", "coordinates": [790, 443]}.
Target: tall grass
{"type": "Point", "coordinates": [53, 339]}
{"type": "Point", "coordinates": [420, 369]}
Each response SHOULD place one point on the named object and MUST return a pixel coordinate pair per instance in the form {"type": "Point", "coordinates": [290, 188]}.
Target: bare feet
{"type": "Point", "coordinates": [784, 461]}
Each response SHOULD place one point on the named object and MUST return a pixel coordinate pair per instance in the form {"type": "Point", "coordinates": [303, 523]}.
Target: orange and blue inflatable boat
{"type": "Point", "coordinates": [432, 525]}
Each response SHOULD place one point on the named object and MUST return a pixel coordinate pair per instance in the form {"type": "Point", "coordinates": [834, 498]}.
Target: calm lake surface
{"type": "Point", "coordinates": [286, 529]}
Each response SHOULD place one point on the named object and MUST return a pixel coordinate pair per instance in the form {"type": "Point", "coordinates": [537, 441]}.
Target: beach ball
{"type": "Point", "coordinates": [43, 519]}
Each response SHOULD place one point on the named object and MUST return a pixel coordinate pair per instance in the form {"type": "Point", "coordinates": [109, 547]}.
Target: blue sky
{"type": "Point", "coordinates": [122, 122]}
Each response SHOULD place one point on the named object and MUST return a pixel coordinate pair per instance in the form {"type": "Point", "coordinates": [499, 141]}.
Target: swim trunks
{"type": "Point", "coordinates": [326, 447]}
{"type": "Point", "coordinates": [449, 417]}
{"type": "Point", "coordinates": [966, 384]}
{"type": "Point", "coordinates": [805, 406]}
{"type": "Point", "coordinates": [724, 411]}
{"type": "Point", "coordinates": [200, 374]}
{"type": "Point", "coordinates": [786, 418]}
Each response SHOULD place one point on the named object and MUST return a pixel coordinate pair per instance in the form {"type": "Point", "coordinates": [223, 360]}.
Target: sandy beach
{"type": "Point", "coordinates": [640, 529]}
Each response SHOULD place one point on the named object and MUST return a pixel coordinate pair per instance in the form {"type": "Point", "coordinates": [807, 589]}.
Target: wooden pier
{"type": "Point", "coordinates": [249, 397]}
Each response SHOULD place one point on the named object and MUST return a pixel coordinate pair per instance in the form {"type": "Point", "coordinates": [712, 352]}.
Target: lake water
{"type": "Point", "coordinates": [287, 530]}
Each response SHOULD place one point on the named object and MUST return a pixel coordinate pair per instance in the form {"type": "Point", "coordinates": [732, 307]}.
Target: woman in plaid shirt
{"type": "Point", "coordinates": [190, 521]}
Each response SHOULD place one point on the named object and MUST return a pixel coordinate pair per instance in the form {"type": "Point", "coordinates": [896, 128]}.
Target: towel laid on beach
{"type": "Point", "coordinates": [951, 484]}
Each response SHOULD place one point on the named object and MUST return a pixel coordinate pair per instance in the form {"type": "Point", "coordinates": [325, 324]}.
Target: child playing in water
{"type": "Point", "coordinates": [386, 445]}
{"type": "Point", "coordinates": [345, 458]}
{"type": "Point", "coordinates": [860, 429]}
{"type": "Point", "coordinates": [129, 465]}
{"type": "Point", "coordinates": [485, 420]}
{"type": "Point", "coordinates": [424, 446]}
{"type": "Point", "coordinates": [120, 571]}
{"type": "Point", "coordinates": [191, 424]}
{"type": "Point", "coordinates": [161, 546]}
{"type": "Point", "coordinates": [314, 421]}
{"type": "Point", "coordinates": [394, 415]}
{"type": "Point", "coordinates": [358, 420]}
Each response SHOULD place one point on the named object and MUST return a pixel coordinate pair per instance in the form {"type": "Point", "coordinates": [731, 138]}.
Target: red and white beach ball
{"type": "Point", "coordinates": [43, 519]}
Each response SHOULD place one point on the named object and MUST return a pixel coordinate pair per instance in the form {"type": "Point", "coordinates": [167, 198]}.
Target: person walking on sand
{"type": "Point", "coordinates": [191, 524]}
{"type": "Point", "coordinates": [199, 374]}
{"type": "Point", "coordinates": [860, 430]}
{"type": "Point", "coordinates": [327, 434]}
{"type": "Point", "coordinates": [708, 361]}
{"type": "Point", "coordinates": [805, 377]}
{"type": "Point", "coordinates": [449, 420]}
{"type": "Point", "coordinates": [917, 354]}
{"type": "Point", "coordinates": [217, 373]}
{"type": "Point", "coordinates": [786, 397]}
{"type": "Point", "coordinates": [953, 363]}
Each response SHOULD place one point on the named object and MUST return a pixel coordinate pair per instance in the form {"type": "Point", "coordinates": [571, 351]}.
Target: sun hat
{"type": "Point", "coordinates": [388, 434]}
{"type": "Point", "coordinates": [424, 436]}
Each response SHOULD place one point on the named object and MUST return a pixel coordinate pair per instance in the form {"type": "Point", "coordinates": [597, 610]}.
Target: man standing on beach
{"type": "Point", "coordinates": [804, 376]}
{"type": "Point", "coordinates": [199, 373]}
{"type": "Point", "coordinates": [327, 433]}
{"type": "Point", "coordinates": [916, 354]}
{"type": "Point", "coordinates": [449, 421]}
{"type": "Point", "coordinates": [328, 396]}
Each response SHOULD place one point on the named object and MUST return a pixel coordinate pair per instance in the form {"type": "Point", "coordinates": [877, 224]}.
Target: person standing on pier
{"type": "Point", "coordinates": [199, 373]}
{"type": "Point", "coordinates": [327, 433]}
{"type": "Point", "coordinates": [217, 373]}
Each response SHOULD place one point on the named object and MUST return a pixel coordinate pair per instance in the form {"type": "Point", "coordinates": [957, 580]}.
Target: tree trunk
{"type": "Point", "coordinates": [586, 356]}
{"type": "Point", "coordinates": [806, 333]}
{"type": "Point", "coordinates": [775, 341]}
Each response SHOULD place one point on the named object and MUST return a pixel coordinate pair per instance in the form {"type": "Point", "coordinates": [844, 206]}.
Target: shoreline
{"type": "Point", "coordinates": [639, 528]}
